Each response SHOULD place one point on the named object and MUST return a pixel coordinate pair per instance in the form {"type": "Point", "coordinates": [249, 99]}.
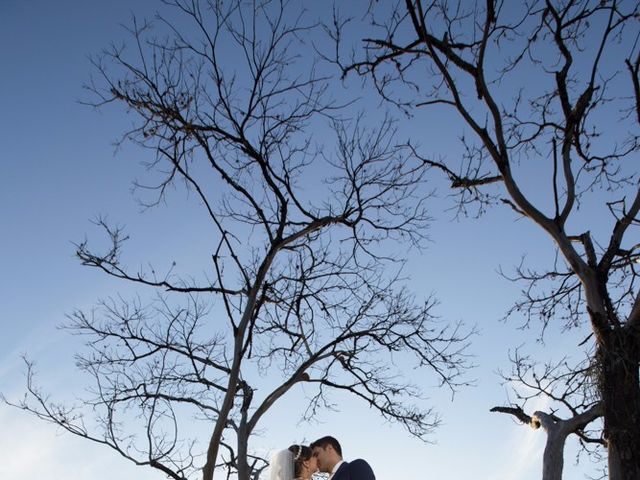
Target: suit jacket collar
{"type": "Point", "coordinates": [337, 467]}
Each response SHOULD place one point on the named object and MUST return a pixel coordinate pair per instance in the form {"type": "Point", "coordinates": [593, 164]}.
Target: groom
{"type": "Point", "coordinates": [328, 452]}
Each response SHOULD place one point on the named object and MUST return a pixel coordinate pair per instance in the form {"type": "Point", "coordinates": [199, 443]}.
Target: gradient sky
{"type": "Point", "coordinates": [60, 169]}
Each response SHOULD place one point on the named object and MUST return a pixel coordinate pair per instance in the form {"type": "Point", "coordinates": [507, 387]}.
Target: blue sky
{"type": "Point", "coordinates": [60, 169]}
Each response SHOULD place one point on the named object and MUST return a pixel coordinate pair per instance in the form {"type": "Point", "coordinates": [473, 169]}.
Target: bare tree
{"type": "Point", "coordinates": [571, 391]}
{"type": "Point", "coordinates": [550, 91]}
{"type": "Point", "coordinates": [303, 285]}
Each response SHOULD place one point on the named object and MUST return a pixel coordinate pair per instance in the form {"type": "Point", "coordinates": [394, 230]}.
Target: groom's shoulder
{"type": "Point", "coordinates": [360, 465]}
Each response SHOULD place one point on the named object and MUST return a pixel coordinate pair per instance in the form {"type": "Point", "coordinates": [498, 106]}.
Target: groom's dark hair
{"type": "Point", "coordinates": [328, 440]}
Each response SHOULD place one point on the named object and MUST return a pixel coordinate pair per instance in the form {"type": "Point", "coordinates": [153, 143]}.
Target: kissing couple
{"type": "Point", "coordinates": [300, 462]}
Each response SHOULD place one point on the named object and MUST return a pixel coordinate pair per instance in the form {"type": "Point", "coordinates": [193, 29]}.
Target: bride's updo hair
{"type": "Point", "coordinates": [301, 453]}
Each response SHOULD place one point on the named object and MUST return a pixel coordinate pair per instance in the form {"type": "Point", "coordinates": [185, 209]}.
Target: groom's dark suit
{"type": "Point", "coordinates": [356, 470]}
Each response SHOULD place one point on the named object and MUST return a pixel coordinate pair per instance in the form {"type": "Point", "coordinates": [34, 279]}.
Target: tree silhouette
{"type": "Point", "coordinates": [303, 286]}
{"type": "Point", "coordinates": [574, 405]}
{"type": "Point", "coordinates": [546, 90]}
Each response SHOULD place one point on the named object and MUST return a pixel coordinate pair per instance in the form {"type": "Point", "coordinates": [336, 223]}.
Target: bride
{"type": "Point", "coordinates": [295, 463]}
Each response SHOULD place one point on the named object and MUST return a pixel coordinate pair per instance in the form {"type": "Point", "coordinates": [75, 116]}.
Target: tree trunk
{"type": "Point", "coordinates": [243, 433]}
{"type": "Point", "coordinates": [557, 432]}
{"type": "Point", "coordinates": [553, 458]}
{"type": "Point", "coordinates": [242, 463]}
{"type": "Point", "coordinates": [620, 392]}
